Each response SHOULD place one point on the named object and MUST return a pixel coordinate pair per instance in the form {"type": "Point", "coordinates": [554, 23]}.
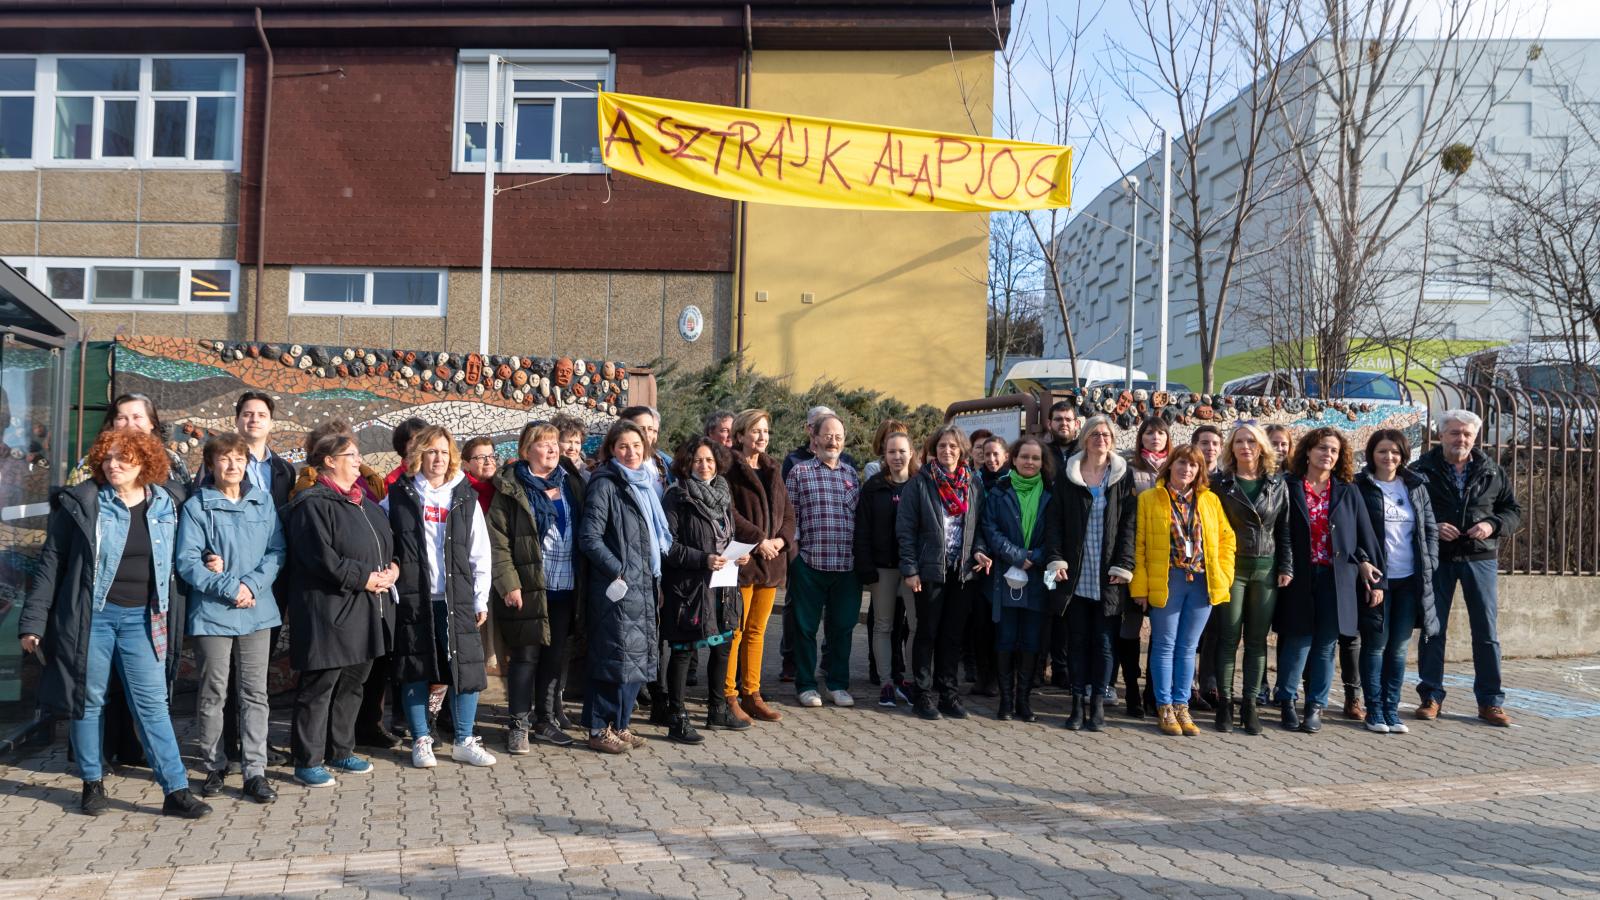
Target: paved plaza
{"type": "Point", "coordinates": [842, 803]}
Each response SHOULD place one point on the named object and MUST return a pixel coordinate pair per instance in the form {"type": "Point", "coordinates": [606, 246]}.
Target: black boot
{"type": "Point", "coordinates": [680, 731]}
{"type": "Point", "coordinates": [1225, 714]}
{"type": "Point", "coordinates": [1313, 718]}
{"type": "Point", "coordinates": [1130, 692]}
{"type": "Point", "coordinates": [1291, 719]}
{"type": "Point", "coordinates": [1008, 687]}
{"type": "Point", "coordinates": [719, 715]}
{"type": "Point", "coordinates": [1075, 718]}
{"type": "Point", "coordinates": [1148, 695]}
{"type": "Point", "coordinates": [1097, 713]}
{"type": "Point", "coordinates": [1251, 717]}
{"type": "Point", "coordinates": [1027, 665]}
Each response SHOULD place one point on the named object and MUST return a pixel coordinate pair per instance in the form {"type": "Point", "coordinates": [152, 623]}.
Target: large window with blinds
{"type": "Point", "coordinates": [546, 110]}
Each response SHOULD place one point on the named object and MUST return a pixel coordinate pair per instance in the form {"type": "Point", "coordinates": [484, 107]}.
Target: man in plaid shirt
{"type": "Point", "coordinates": [822, 583]}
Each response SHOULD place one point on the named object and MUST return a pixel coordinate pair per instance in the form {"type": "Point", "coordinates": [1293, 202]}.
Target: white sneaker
{"type": "Point", "coordinates": [1399, 728]}
{"type": "Point", "coordinates": [471, 752]}
{"type": "Point", "coordinates": [1376, 725]}
{"type": "Point", "coordinates": [422, 753]}
{"type": "Point", "coordinates": [841, 698]}
{"type": "Point", "coordinates": [810, 699]}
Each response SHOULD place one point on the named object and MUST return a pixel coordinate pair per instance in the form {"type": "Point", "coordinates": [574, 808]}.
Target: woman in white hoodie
{"type": "Point", "coordinates": [442, 548]}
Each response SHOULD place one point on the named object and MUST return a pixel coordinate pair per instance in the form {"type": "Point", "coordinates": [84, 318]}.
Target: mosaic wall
{"type": "Point", "coordinates": [195, 384]}
{"type": "Point", "coordinates": [1184, 412]}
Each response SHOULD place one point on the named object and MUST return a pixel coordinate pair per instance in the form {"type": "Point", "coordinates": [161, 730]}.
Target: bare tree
{"type": "Point", "coordinates": [1015, 326]}
{"type": "Point", "coordinates": [1042, 87]}
{"type": "Point", "coordinates": [1217, 66]}
{"type": "Point", "coordinates": [1384, 101]}
{"type": "Point", "coordinates": [1540, 243]}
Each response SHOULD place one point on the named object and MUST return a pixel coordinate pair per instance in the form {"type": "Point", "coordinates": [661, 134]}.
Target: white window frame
{"type": "Point", "coordinates": [528, 65]}
{"type": "Point", "coordinates": [299, 306]}
{"type": "Point", "coordinates": [24, 162]}
{"type": "Point", "coordinates": [1191, 323]}
{"type": "Point", "coordinates": [44, 115]}
{"type": "Point", "coordinates": [38, 267]}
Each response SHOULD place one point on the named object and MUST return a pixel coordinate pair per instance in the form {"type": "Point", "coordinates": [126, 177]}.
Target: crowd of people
{"type": "Point", "coordinates": [1023, 563]}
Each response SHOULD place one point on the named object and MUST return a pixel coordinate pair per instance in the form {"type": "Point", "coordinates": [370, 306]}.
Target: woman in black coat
{"type": "Point", "coordinates": [1335, 554]}
{"type": "Point", "coordinates": [441, 545]}
{"type": "Point", "coordinates": [694, 614]}
{"type": "Point", "coordinates": [624, 535]}
{"type": "Point", "coordinates": [1399, 506]}
{"type": "Point", "coordinates": [1090, 567]}
{"type": "Point", "coordinates": [341, 566]}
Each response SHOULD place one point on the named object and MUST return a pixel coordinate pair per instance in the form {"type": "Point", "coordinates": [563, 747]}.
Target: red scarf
{"type": "Point", "coordinates": [354, 495]}
{"type": "Point", "coordinates": [1153, 460]}
{"type": "Point", "coordinates": [952, 488]}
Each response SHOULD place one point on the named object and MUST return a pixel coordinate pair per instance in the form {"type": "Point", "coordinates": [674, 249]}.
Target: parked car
{"type": "Point", "coordinates": [1140, 384]}
{"type": "Point", "coordinates": [1357, 384]}
{"type": "Point", "coordinates": [1056, 375]}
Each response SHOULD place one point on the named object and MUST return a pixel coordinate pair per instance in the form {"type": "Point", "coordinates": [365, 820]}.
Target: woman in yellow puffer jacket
{"type": "Point", "coordinates": [1183, 566]}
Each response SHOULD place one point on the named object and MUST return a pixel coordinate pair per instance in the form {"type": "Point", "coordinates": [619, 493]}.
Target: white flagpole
{"type": "Point", "coordinates": [1166, 250]}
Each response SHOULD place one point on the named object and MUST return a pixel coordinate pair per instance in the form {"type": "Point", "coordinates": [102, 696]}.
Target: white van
{"type": "Point", "coordinates": [1056, 375]}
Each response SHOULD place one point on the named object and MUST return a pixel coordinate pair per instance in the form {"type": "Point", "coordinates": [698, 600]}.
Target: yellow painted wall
{"type": "Point", "coordinates": [899, 296]}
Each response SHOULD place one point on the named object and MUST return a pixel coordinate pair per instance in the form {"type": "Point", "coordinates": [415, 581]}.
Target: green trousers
{"type": "Point", "coordinates": [1247, 614]}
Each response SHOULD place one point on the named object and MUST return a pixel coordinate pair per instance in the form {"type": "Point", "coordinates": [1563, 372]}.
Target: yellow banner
{"type": "Point", "coordinates": [765, 157]}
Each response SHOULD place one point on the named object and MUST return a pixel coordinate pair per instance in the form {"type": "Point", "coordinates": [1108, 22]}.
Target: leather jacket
{"type": "Point", "coordinates": [1261, 528]}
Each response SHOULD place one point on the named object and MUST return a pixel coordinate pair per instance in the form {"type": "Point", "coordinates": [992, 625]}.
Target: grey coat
{"type": "Point", "coordinates": [919, 529]}
{"type": "Point", "coordinates": [615, 538]}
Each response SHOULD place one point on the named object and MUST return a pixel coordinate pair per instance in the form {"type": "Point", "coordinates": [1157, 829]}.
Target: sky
{"type": "Point", "coordinates": [1109, 130]}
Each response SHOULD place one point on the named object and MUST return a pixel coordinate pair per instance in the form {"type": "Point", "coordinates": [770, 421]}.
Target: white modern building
{"type": "Point", "coordinates": [1520, 108]}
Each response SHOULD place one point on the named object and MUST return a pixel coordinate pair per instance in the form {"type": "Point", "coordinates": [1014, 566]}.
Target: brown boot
{"type": "Point", "coordinates": [757, 708]}
{"type": "Point", "coordinates": [1186, 725]}
{"type": "Point", "coordinates": [735, 711]}
{"type": "Point", "coordinates": [1167, 721]}
{"type": "Point", "coordinates": [1494, 715]}
{"type": "Point", "coordinates": [1352, 704]}
{"type": "Point", "coordinates": [1428, 710]}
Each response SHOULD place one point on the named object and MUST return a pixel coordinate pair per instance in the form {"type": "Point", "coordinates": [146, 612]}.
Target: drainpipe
{"type": "Point", "coordinates": [261, 186]}
{"type": "Point", "coordinates": [744, 215]}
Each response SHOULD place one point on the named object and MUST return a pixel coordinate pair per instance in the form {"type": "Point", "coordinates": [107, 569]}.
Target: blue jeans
{"type": "Point", "coordinates": [610, 703]}
{"type": "Point", "coordinates": [414, 694]}
{"type": "Point", "coordinates": [1478, 588]}
{"type": "Point", "coordinates": [1311, 653]}
{"type": "Point", "coordinates": [121, 635]}
{"type": "Point", "coordinates": [1089, 645]}
{"type": "Point", "coordinates": [1175, 631]}
{"type": "Point", "coordinates": [1383, 650]}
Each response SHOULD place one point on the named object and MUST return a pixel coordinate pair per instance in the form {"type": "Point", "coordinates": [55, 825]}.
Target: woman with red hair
{"type": "Point", "coordinates": [102, 598]}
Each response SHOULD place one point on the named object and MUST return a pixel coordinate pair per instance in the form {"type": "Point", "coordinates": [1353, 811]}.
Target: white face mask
{"type": "Point", "coordinates": [616, 590]}
{"type": "Point", "coordinates": [1016, 578]}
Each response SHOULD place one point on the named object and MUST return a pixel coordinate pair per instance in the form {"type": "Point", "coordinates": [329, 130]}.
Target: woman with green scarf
{"type": "Point", "coordinates": [1013, 534]}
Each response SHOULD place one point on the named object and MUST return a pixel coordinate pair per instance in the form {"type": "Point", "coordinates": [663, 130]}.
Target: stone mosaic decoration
{"type": "Point", "coordinates": [195, 384]}
{"type": "Point", "coordinates": [1184, 412]}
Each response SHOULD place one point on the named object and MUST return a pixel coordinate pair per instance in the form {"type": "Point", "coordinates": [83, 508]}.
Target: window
{"type": "Point", "coordinates": [1191, 323]}
{"type": "Point", "coordinates": [1138, 340]}
{"type": "Point", "coordinates": [368, 292]}
{"type": "Point", "coordinates": [16, 107]}
{"type": "Point", "coordinates": [120, 110]}
{"type": "Point", "coordinates": [547, 110]}
{"type": "Point", "coordinates": [155, 285]}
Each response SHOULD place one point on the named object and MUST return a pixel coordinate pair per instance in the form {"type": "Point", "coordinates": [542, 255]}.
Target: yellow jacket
{"type": "Point", "coordinates": [1152, 551]}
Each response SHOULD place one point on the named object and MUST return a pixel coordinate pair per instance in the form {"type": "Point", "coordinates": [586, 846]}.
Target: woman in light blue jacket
{"type": "Point", "coordinates": [230, 548]}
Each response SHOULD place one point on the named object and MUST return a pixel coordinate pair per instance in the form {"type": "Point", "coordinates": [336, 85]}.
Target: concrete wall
{"type": "Point", "coordinates": [899, 297]}
{"type": "Point", "coordinates": [1540, 615]}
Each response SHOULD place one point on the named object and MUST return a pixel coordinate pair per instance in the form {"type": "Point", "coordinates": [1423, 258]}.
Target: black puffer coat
{"type": "Point", "coordinates": [692, 610]}
{"type": "Point", "coordinates": [415, 656]}
{"type": "Point", "coordinates": [1489, 497]}
{"type": "Point", "coordinates": [919, 529]}
{"type": "Point", "coordinates": [334, 545]}
{"type": "Point", "coordinates": [615, 537]}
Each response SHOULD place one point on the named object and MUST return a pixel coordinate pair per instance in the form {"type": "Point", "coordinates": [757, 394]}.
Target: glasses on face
{"type": "Point", "coordinates": [349, 454]}
{"type": "Point", "coordinates": [481, 458]}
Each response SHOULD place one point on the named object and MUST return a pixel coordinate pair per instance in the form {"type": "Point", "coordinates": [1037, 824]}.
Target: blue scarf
{"type": "Point", "coordinates": [545, 510]}
{"type": "Point", "coordinates": [643, 486]}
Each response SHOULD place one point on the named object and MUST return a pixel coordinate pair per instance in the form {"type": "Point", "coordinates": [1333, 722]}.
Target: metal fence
{"type": "Point", "coordinates": [1546, 442]}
